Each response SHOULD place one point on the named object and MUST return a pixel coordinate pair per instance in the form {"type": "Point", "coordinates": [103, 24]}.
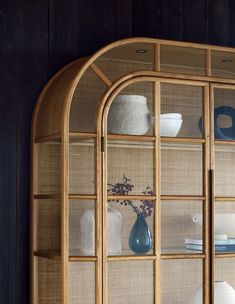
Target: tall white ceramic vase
{"type": "Point", "coordinates": [87, 229]}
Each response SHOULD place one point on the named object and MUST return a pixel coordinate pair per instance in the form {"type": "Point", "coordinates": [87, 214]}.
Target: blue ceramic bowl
{"type": "Point", "coordinates": [222, 133]}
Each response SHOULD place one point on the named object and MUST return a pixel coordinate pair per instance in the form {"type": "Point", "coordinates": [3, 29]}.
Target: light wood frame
{"type": "Point", "coordinates": [58, 94]}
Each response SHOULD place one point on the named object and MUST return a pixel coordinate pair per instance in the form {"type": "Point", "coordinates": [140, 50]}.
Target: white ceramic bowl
{"type": "Point", "coordinates": [224, 222]}
{"type": "Point", "coordinates": [224, 294]}
{"type": "Point", "coordinates": [171, 116]}
{"type": "Point", "coordinates": [170, 124]}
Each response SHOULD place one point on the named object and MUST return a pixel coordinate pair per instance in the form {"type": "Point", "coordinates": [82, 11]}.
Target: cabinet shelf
{"type": "Point", "coordinates": [225, 255]}
{"type": "Point", "coordinates": [53, 138]}
{"type": "Point", "coordinates": [73, 135]}
{"type": "Point", "coordinates": [225, 142]}
{"type": "Point", "coordinates": [55, 255]}
{"type": "Point", "coordinates": [56, 138]}
{"type": "Point", "coordinates": [47, 196]}
{"type": "Point", "coordinates": [177, 256]}
{"type": "Point", "coordinates": [183, 197]}
{"type": "Point", "coordinates": [52, 255]}
{"type": "Point", "coordinates": [116, 137]}
{"type": "Point", "coordinates": [225, 198]}
{"type": "Point", "coordinates": [188, 140]}
{"type": "Point", "coordinates": [131, 258]}
{"type": "Point", "coordinates": [132, 197]}
{"type": "Point", "coordinates": [82, 196]}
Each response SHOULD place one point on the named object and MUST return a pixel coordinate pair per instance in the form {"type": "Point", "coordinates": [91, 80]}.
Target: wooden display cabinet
{"type": "Point", "coordinates": [74, 158]}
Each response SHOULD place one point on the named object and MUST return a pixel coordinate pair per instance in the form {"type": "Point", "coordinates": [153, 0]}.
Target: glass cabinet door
{"type": "Point", "coordinates": [184, 191]}
{"type": "Point", "coordinates": [155, 192]}
{"type": "Point", "coordinates": [223, 122]}
{"type": "Point", "coordinates": [130, 198]}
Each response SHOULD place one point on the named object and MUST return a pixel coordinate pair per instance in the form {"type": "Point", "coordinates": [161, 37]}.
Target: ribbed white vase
{"type": "Point", "coordinates": [87, 228]}
{"type": "Point", "coordinates": [129, 114]}
{"type": "Point", "coordinates": [224, 294]}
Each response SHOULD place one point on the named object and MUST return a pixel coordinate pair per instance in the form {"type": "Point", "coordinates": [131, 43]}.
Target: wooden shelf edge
{"type": "Point", "coordinates": [82, 135]}
{"type": "Point", "coordinates": [177, 256]}
{"type": "Point", "coordinates": [70, 196]}
{"type": "Point", "coordinates": [73, 258]}
{"type": "Point", "coordinates": [82, 196]}
{"type": "Point", "coordinates": [131, 258]}
{"type": "Point", "coordinates": [153, 138]}
{"type": "Point", "coordinates": [183, 197]}
{"type": "Point", "coordinates": [189, 140]}
{"type": "Point", "coordinates": [55, 255]}
{"type": "Point", "coordinates": [225, 255]}
{"type": "Point", "coordinates": [47, 196]}
{"type": "Point", "coordinates": [131, 137]}
{"type": "Point", "coordinates": [153, 197]}
{"type": "Point", "coordinates": [52, 255]}
{"type": "Point", "coordinates": [47, 138]}
{"type": "Point", "coordinates": [131, 197]}
{"type": "Point", "coordinates": [225, 199]}
{"type": "Point", "coordinates": [135, 197]}
{"type": "Point", "coordinates": [224, 142]}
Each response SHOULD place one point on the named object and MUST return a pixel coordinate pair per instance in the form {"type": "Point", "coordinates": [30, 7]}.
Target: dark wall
{"type": "Point", "coordinates": [37, 38]}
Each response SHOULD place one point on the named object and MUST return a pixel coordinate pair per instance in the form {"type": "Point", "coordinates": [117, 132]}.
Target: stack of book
{"type": "Point", "coordinates": [227, 245]}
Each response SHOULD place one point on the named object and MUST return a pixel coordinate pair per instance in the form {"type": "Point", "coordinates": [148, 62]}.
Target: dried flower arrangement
{"type": "Point", "coordinates": [124, 188]}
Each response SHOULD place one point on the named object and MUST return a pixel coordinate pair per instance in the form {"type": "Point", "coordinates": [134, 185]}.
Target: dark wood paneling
{"type": "Point", "coordinates": [8, 155]}
{"type": "Point", "coordinates": [231, 26]}
{"type": "Point", "coordinates": [24, 51]}
{"type": "Point", "coordinates": [218, 21]}
{"type": "Point", "coordinates": [38, 38]}
{"type": "Point", "coordinates": [158, 19]}
{"type": "Point", "coordinates": [32, 36]}
{"type": "Point", "coordinates": [172, 26]}
{"type": "Point", "coordinates": [195, 25]}
{"type": "Point", "coordinates": [147, 18]}
{"type": "Point", "coordinates": [79, 28]}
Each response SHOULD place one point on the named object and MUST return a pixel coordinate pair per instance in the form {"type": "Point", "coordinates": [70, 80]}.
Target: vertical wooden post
{"type": "Point", "coordinates": [157, 63]}
{"type": "Point", "coordinates": [208, 62]}
{"type": "Point", "coordinates": [98, 217]}
{"type": "Point", "coordinates": [206, 194]}
{"type": "Point", "coordinates": [157, 189]}
{"type": "Point", "coordinates": [212, 194]}
{"type": "Point", "coordinates": [64, 214]}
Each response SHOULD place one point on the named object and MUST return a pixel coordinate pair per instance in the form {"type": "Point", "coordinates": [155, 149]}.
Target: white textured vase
{"type": "Point", "coordinates": [224, 294]}
{"type": "Point", "coordinates": [87, 228]}
{"type": "Point", "coordinates": [129, 114]}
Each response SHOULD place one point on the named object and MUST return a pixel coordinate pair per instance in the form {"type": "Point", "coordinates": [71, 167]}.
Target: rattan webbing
{"type": "Point", "coordinates": [48, 168]}
{"type": "Point", "coordinates": [81, 283]}
{"type": "Point", "coordinates": [181, 172]}
{"type": "Point", "coordinates": [49, 224]}
{"type": "Point", "coordinates": [49, 281]}
{"type": "Point", "coordinates": [137, 165]}
{"type": "Point", "coordinates": [82, 168]}
{"type": "Point", "coordinates": [179, 279]}
{"type": "Point", "coordinates": [130, 282]}
{"type": "Point", "coordinates": [86, 98]}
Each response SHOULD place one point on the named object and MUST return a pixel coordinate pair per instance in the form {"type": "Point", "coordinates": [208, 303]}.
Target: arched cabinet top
{"type": "Point", "coordinates": [70, 100]}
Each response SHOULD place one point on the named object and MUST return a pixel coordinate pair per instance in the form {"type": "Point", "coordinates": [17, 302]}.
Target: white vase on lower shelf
{"type": "Point", "coordinates": [223, 294]}
{"type": "Point", "coordinates": [87, 228]}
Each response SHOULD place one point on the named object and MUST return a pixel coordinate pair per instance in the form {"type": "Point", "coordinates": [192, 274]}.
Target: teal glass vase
{"type": "Point", "coordinates": [140, 239]}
